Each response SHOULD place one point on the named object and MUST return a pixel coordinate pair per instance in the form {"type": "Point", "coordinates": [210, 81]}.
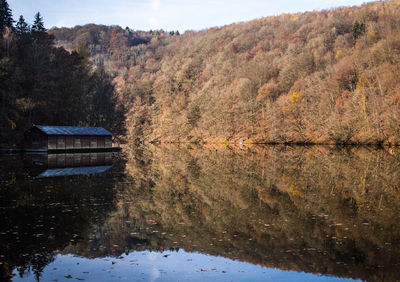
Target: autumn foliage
{"type": "Point", "coordinates": [316, 77]}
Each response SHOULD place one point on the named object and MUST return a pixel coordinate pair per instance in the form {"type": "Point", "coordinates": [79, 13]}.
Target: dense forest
{"type": "Point", "coordinates": [44, 84]}
{"type": "Point", "coordinates": [326, 76]}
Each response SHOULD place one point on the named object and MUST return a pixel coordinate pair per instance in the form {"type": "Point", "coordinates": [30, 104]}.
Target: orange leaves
{"type": "Point", "coordinates": [340, 106]}
{"type": "Point", "coordinates": [294, 108]}
{"type": "Point", "coordinates": [268, 91]}
{"type": "Point", "coordinates": [396, 99]}
{"type": "Point", "coordinates": [338, 54]}
{"type": "Point", "coordinates": [362, 81]}
{"type": "Point", "coordinates": [289, 77]}
{"type": "Point", "coordinates": [373, 37]}
{"type": "Point", "coordinates": [296, 97]}
{"type": "Point", "coordinates": [346, 74]}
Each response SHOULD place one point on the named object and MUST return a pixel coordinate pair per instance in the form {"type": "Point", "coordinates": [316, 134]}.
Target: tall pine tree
{"type": "Point", "coordinates": [38, 24]}
{"type": "Point", "coordinates": [21, 26]}
{"type": "Point", "coordinates": [6, 19]}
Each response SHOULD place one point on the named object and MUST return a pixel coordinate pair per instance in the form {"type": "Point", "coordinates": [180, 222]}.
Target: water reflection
{"type": "Point", "coordinates": [316, 210]}
{"type": "Point", "coordinates": [41, 217]}
{"type": "Point", "coordinates": [53, 165]}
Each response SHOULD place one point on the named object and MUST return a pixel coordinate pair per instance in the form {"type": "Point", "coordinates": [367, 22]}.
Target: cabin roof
{"type": "Point", "coordinates": [73, 130]}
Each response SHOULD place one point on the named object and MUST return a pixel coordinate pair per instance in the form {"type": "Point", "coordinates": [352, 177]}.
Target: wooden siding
{"type": "Point", "coordinates": [77, 142]}
{"type": "Point", "coordinates": [100, 141]}
{"type": "Point", "coordinates": [85, 142]}
{"type": "Point", "coordinates": [52, 142]}
{"type": "Point", "coordinates": [93, 142]}
{"type": "Point", "coordinates": [108, 142]}
{"type": "Point", "coordinates": [60, 142]}
{"type": "Point", "coordinates": [69, 142]}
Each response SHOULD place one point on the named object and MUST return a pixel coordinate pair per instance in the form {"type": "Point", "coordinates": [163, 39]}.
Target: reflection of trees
{"type": "Point", "coordinates": [41, 217]}
{"type": "Point", "coordinates": [319, 210]}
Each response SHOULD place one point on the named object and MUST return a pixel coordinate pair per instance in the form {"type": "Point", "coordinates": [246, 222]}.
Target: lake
{"type": "Point", "coordinates": [191, 213]}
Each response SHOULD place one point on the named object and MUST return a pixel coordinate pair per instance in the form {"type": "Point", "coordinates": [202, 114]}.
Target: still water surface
{"type": "Point", "coordinates": [220, 213]}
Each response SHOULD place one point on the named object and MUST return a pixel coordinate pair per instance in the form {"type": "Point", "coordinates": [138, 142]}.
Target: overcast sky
{"type": "Point", "coordinates": [166, 14]}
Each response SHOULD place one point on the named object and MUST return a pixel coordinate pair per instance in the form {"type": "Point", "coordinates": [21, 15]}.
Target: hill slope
{"type": "Point", "coordinates": [322, 77]}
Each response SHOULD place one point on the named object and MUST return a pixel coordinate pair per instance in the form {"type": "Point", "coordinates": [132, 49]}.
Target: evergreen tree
{"type": "Point", "coordinates": [21, 26]}
{"type": "Point", "coordinates": [6, 19]}
{"type": "Point", "coordinates": [38, 24]}
{"type": "Point", "coordinates": [358, 29]}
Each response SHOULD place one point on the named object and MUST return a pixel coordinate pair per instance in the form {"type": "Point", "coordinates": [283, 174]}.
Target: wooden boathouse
{"type": "Point", "coordinates": [66, 138]}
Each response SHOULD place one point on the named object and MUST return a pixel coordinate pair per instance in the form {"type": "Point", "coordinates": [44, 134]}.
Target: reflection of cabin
{"type": "Point", "coordinates": [51, 165]}
{"type": "Point", "coordinates": [48, 138]}
{"type": "Point", "coordinates": [71, 171]}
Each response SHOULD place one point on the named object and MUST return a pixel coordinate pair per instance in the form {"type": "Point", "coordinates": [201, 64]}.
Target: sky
{"type": "Point", "coordinates": [168, 15]}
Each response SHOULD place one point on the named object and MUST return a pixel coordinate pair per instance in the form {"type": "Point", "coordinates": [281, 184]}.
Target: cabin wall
{"type": "Point", "coordinates": [107, 142]}
{"type": "Point", "coordinates": [100, 141]}
{"type": "Point", "coordinates": [77, 142]}
{"type": "Point", "coordinates": [52, 142]}
{"type": "Point", "coordinates": [61, 142]}
{"type": "Point", "coordinates": [69, 142]}
{"type": "Point", "coordinates": [93, 142]}
{"type": "Point", "coordinates": [85, 142]}
{"type": "Point", "coordinates": [35, 140]}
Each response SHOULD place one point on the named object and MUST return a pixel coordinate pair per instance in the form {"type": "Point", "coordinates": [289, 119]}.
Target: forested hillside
{"type": "Point", "coordinates": [44, 84]}
{"type": "Point", "coordinates": [317, 77]}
